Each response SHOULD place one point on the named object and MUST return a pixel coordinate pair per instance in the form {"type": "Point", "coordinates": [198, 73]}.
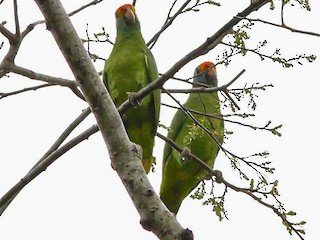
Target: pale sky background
{"type": "Point", "coordinates": [81, 197]}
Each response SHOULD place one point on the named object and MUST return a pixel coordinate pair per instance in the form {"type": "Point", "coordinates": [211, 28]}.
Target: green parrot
{"type": "Point", "coordinates": [181, 176]}
{"type": "Point", "coordinates": [130, 67]}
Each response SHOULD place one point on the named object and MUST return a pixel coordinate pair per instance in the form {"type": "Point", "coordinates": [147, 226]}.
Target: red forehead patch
{"type": "Point", "coordinates": [205, 65]}
{"type": "Point", "coordinates": [120, 11]}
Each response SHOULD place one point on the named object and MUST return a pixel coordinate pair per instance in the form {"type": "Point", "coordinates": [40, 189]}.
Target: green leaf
{"type": "Point", "coordinates": [251, 184]}
{"type": "Point", "coordinates": [291, 213]}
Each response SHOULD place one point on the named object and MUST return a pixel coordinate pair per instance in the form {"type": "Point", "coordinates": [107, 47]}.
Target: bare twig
{"type": "Point", "coordinates": [73, 85]}
{"type": "Point", "coordinates": [233, 102]}
{"type": "Point", "coordinates": [65, 134]}
{"type": "Point", "coordinates": [94, 2]}
{"type": "Point", "coordinates": [207, 89]}
{"type": "Point", "coordinates": [190, 155]}
{"type": "Point", "coordinates": [167, 22]}
{"type": "Point", "coordinates": [16, 18]}
{"type": "Point", "coordinates": [41, 77]}
{"type": "Point", "coordinates": [283, 25]}
{"type": "Point", "coordinates": [223, 88]}
{"type": "Point", "coordinates": [223, 117]}
{"type": "Point", "coordinates": [285, 62]}
{"type": "Point", "coordinates": [250, 193]}
{"type": "Point", "coordinates": [3, 95]}
{"type": "Point", "coordinates": [5, 32]}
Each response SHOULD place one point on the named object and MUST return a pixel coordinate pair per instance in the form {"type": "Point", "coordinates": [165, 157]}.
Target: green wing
{"type": "Point", "coordinates": [152, 73]}
{"type": "Point", "coordinates": [175, 129]}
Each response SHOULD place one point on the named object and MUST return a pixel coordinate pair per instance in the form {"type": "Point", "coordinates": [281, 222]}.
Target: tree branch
{"type": "Point", "coordinates": [207, 89]}
{"type": "Point", "coordinates": [167, 22]}
{"type": "Point", "coordinates": [65, 134]}
{"type": "Point", "coordinates": [273, 130]}
{"type": "Point", "coordinates": [16, 18]}
{"type": "Point", "coordinates": [7, 94]}
{"type": "Point", "coordinates": [283, 25]}
{"type": "Point", "coordinates": [94, 2]}
{"type": "Point", "coordinates": [73, 85]}
{"type": "Point", "coordinates": [190, 155]}
{"type": "Point", "coordinates": [250, 193]}
{"type": "Point", "coordinates": [223, 88]}
{"type": "Point", "coordinates": [5, 32]}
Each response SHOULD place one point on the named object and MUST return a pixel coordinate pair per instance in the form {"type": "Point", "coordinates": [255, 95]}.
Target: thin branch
{"type": "Point", "coordinates": [223, 88]}
{"type": "Point", "coordinates": [3, 95]}
{"type": "Point", "coordinates": [228, 96]}
{"type": "Point", "coordinates": [65, 134]}
{"type": "Point", "coordinates": [282, 25]}
{"type": "Point", "coordinates": [94, 2]}
{"type": "Point", "coordinates": [274, 57]}
{"type": "Point", "coordinates": [5, 32]}
{"type": "Point", "coordinates": [73, 85]}
{"type": "Point", "coordinates": [250, 193]}
{"type": "Point", "coordinates": [167, 22]}
{"type": "Point", "coordinates": [282, 12]}
{"type": "Point", "coordinates": [181, 151]}
{"type": "Point", "coordinates": [225, 119]}
{"type": "Point", "coordinates": [42, 77]}
{"type": "Point", "coordinates": [16, 18]}
{"type": "Point", "coordinates": [207, 89]}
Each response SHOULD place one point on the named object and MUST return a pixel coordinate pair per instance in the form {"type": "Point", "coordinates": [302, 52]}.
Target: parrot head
{"type": "Point", "coordinates": [126, 17]}
{"type": "Point", "coordinates": [206, 74]}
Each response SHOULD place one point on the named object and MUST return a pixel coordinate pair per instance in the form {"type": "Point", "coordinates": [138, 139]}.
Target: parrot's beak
{"type": "Point", "coordinates": [129, 16]}
{"type": "Point", "coordinates": [211, 71]}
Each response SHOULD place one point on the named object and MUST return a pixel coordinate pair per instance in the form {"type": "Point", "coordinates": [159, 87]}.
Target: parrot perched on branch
{"type": "Point", "coordinates": [181, 176]}
{"type": "Point", "coordinates": [130, 67]}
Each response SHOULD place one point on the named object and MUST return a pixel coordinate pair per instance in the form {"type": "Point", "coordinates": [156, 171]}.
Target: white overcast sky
{"type": "Point", "coordinates": [80, 196]}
